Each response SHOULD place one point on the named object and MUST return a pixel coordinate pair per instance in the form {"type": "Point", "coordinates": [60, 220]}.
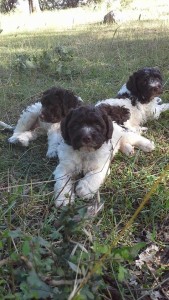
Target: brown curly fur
{"type": "Point", "coordinates": [56, 103]}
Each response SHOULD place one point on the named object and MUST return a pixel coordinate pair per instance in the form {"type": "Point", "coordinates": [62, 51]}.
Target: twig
{"type": "Point", "coordinates": [159, 284]}
{"type": "Point", "coordinates": [46, 279]}
{"type": "Point", "coordinates": [115, 32]}
{"type": "Point", "coordinates": [156, 287]}
{"type": "Point", "coordinates": [27, 262]}
{"type": "Point", "coordinates": [166, 82]}
{"type": "Point", "coordinates": [25, 184]}
{"type": "Point", "coordinates": [4, 261]}
{"type": "Point", "coordinates": [6, 126]}
{"type": "Point", "coordinates": [59, 282]}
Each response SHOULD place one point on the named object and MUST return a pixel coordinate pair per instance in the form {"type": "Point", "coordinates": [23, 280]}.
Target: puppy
{"type": "Point", "coordinates": [140, 96]}
{"type": "Point", "coordinates": [91, 139]}
{"type": "Point", "coordinates": [44, 117]}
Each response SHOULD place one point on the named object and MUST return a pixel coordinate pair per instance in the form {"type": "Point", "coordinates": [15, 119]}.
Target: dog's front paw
{"type": "Point", "coordinates": [64, 200]}
{"type": "Point", "coordinates": [51, 153]}
{"type": "Point", "coordinates": [143, 129]}
{"type": "Point", "coordinates": [127, 149]}
{"type": "Point", "coordinates": [61, 202]}
{"type": "Point", "coordinates": [158, 100]}
{"type": "Point", "coordinates": [24, 142]}
{"type": "Point", "coordinates": [148, 146]}
{"type": "Point", "coordinates": [83, 190]}
{"type": "Point", "coordinates": [13, 140]}
{"type": "Point", "coordinates": [19, 139]}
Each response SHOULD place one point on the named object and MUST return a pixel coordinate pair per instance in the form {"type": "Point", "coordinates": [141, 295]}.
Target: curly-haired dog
{"type": "Point", "coordinates": [140, 96]}
{"type": "Point", "coordinates": [44, 117]}
{"type": "Point", "coordinates": [91, 139]}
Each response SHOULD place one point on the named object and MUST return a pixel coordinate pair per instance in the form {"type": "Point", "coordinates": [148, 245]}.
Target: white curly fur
{"type": "Point", "coordinates": [94, 164]}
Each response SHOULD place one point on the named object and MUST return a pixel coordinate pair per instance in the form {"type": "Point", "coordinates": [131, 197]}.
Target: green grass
{"type": "Point", "coordinates": [30, 225]}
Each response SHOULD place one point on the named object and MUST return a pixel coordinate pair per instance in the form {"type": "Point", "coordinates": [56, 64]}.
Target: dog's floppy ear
{"type": "Point", "coordinates": [132, 84]}
{"type": "Point", "coordinates": [50, 96]}
{"type": "Point", "coordinates": [70, 100]}
{"type": "Point", "coordinates": [108, 122]}
{"type": "Point", "coordinates": [119, 114]}
{"type": "Point", "coordinates": [64, 127]}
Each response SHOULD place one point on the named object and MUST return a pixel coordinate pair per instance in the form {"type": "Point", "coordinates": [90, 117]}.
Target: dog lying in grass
{"type": "Point", "coordinates": [44, 117]}
{"type": "Point", "coordinates": [92, 136]}
{"type": "Point", "coordinates": [141, 96]}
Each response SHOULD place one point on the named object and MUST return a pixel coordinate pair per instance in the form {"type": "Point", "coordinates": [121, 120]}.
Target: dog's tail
{"type": "Point", "coordinates": [6, 126]}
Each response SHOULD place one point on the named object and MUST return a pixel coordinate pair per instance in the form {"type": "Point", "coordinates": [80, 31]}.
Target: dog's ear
{"type": "Point", "coordinates": [64, 127]}
{"type": "Point", "coordinates": [70, 100]}
{"type": "Point", "coordinates": [132, 84]}
{"type": "Point", "coordinates": [48, 97]}
{"type": "Point", "coordinates": [119, 114]}
{"type": "Point", "coordinates": [51, 108]}
{"type": "Point", "coordinates": [108, 121]}
{"type": "Point", "coordinates": [52, 91]}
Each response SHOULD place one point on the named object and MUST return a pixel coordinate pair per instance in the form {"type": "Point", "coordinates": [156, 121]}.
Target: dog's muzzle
{"type": "Point", "coordinates": [157, 88]}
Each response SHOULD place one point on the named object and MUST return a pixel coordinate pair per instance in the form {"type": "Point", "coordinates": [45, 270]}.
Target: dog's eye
{"type": "Point", "coordinates": [95, 121]}
{"type": "Point", "coordinates": [97, 126]}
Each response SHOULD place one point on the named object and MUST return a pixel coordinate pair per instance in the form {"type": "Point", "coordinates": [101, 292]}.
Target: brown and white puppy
{"type": "Point", "coordinates": [142, 86]}
{"type": "Point", "coordinates": [91, 139]}
{"type": "Point", "coordinates": [140, 96]}
{"type": "Point", "coordinates": [90, 126]}
{"type": "Point", "coordinates": [44, 117]}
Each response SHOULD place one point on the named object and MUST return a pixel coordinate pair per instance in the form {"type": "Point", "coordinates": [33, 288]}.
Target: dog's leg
{"type": "Point", "coordinates": [54, 140]}
{"type": "Point", "coordinates": [23, 131]}
{"type": "Point", "coordinates": [63, 186]}
{"type": "Point", "coordinates": [91, 182]}
{"type": "Point", "coordinates": [159, 109]}
{"type": "Point", "coordinates": [25, 137]}
{"type": "Point", "coordinates": [131, 139]}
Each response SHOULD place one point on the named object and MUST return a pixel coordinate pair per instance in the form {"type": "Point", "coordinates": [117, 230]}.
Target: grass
{"type": "Point", "coordinates": [40, 243]}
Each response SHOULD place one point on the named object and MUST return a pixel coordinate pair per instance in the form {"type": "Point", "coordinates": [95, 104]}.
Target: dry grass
{"type": "Point", "coordinates": [71, 18]}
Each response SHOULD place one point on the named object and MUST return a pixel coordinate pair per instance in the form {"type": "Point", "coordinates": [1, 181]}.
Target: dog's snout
{"type": "Point", "coordinates": [86, 139]}
{"type": "Point", "coordinates": [157, 88]}
{"type": "Point", "coordinates": [42, 116]}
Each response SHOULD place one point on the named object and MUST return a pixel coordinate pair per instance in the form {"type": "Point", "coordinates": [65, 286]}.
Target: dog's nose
{"type": "Point", "coordinates": [158, 88]}
{"type": "Point", "coordinates": [86, 139]}
{"type": "Point", "coordinates": [42, 116]}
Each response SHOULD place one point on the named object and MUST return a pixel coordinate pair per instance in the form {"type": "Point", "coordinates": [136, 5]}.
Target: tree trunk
{"type": "Point", "coordinates": [34, 6]}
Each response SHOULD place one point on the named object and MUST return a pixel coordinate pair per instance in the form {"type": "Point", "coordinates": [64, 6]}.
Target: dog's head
{"type": "Point", "coordinates": [145, 84]}
{"type": "Point", "coordinates": [56, 103]}
{"type": "Point", "coordinates": [89, 126]}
